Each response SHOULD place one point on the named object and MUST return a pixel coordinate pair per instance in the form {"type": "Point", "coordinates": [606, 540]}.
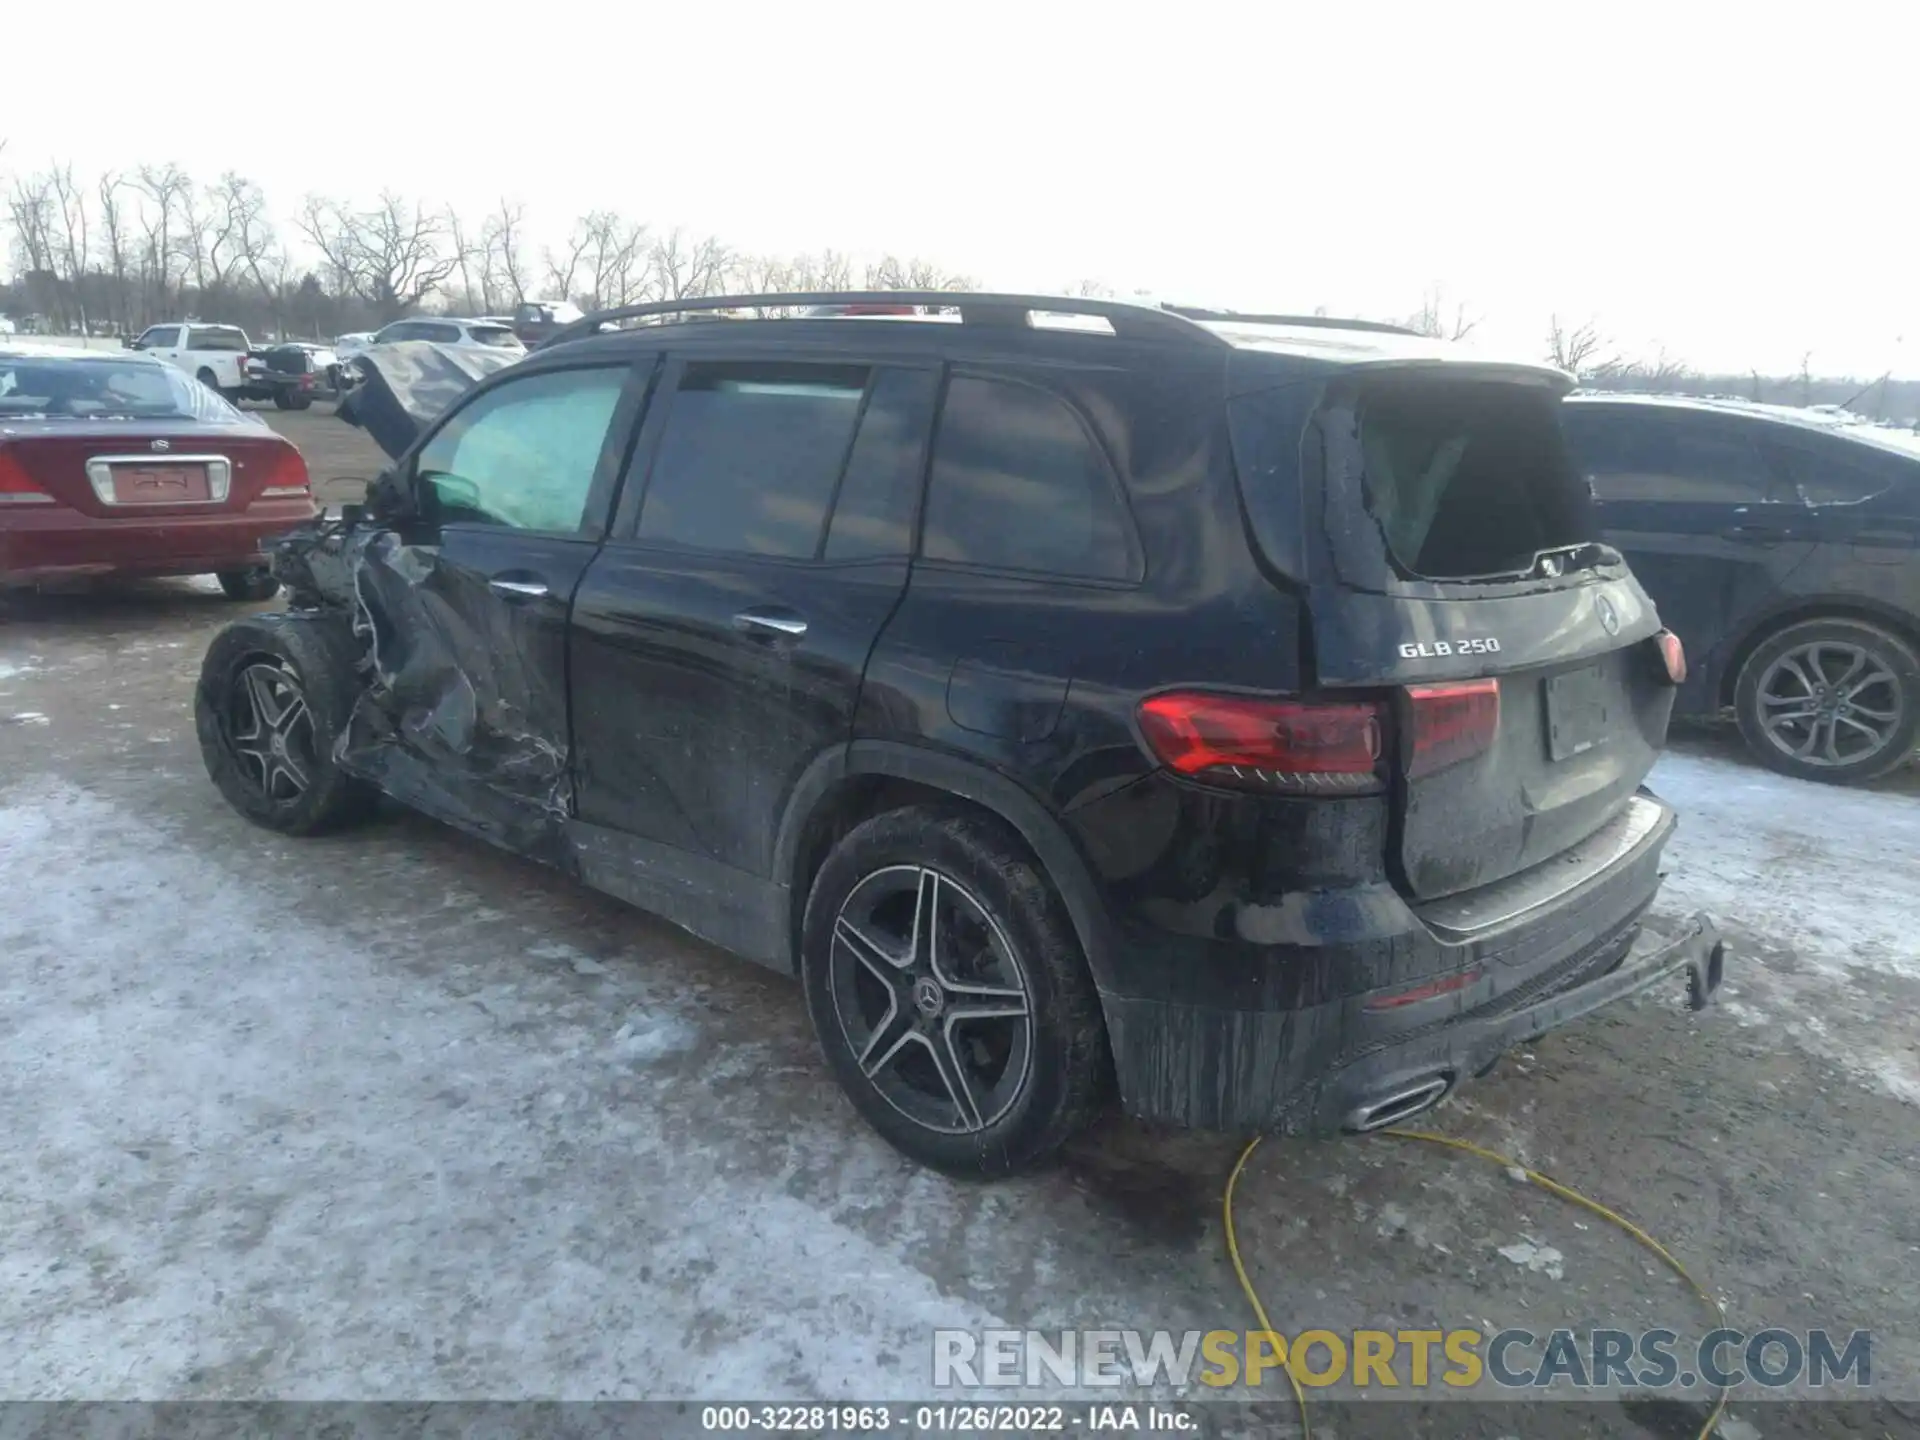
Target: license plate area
{"type": "Point", "coordinates": [125, 481]}
{"type": "Point", "coordinates": [1581, 709]}
{"type": "Point", "coordinates": [160, 484]}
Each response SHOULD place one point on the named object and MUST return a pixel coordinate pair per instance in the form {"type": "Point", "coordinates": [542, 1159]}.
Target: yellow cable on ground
{"type": "Point", "coordinates": [1545, 1182]}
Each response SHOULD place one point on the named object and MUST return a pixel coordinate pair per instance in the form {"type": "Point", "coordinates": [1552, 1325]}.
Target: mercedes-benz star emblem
{"type": "Point", "coordinates": [1609, 617]}
{"type": "Point", "coordinates": [161, 445]}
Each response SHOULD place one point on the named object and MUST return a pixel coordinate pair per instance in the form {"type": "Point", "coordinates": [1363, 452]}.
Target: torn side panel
{"type": "Point", "coordinates": [463, 707]}
{"type": "Point", "coordinates": [403, 388]}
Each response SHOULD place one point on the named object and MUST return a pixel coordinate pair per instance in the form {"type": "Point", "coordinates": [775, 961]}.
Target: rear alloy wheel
{"type": "Point", "coordinates": [950, 994]}
{"type": "Point", "coordinates": [1835, 700]}
{"type": "Point", "coordinates": [275, 694]}
{"type": "Point", "coordinates": [255, 584]}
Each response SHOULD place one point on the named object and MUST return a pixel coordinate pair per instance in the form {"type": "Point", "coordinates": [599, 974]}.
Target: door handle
{"type": "Point", "coordinates": [518, 589]}
{"type": "Point", "coordinates": [782, 623]}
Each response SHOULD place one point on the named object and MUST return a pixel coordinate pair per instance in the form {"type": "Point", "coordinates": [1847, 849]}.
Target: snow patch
{"type": "Point", "coordinates": [1541, 1259]}
{"type": "Point", "coordinates": [28, 717]}
{"type": "Point", "coordinates": [646, 1037]}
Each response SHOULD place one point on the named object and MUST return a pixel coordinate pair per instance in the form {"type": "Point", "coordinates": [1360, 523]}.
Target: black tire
{"type": "Point", "coordinates": [209, 379]}
{"type": "Point", "coordinates": [255, 584]}
{"type": "Point", "coordinates": [282, 400]}
{"type": "Point", "coordinates": [296, 658]}
{"type": "Point", "coordinates": [295, 402]}
{"type": "Point", "coordinates": [1045, 1073]}
{"type": "Point", "coordinates": [1881, 694]}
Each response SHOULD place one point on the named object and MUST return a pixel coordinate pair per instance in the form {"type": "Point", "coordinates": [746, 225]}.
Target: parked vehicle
{"type": "Point", "coordinates": [1784, 547]}
{"type": "Point", "coordinates": [115, 462]}
{"type": "Point", "coordinates": [1214, 723]}
{"type": "Point", "coordinates": [536, 321]}
{"type": "Point", "coordinates": [440, 330]}
{"type": "Point", "coordinates": [352, 343]}
{"type": "Point", "coordinates": [215, 355]}
{"type": "Point", "coordinates": [291, 375]}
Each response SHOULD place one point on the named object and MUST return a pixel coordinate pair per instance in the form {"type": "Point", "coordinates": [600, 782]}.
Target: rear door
{"type": "Point", "coordinates": [515, 486]}
{"type": "Point", "coordinates": [721, 636]}
{"type": "Point", "coordinates": [1700, 506]}
{"type": "Point", "coordinates": [1451, 575]}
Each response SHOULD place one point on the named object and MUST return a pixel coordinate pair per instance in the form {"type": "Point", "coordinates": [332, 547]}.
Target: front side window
{"type": "Point", "coordinates": [523, 454]}
{"type": "Point", "coordinates": [1019, 484]}
{"type": "Point", "coordinates": [750, 455]}
{"type": "Point", "coordinates": [160, 337]}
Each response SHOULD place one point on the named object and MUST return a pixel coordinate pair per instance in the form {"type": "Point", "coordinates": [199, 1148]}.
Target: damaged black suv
{"type": "Point", "coordinates": [1236, 711]}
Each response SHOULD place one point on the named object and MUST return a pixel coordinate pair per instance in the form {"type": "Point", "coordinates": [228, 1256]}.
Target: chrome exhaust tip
{"type": "Point", "coordinates": [1400, 1105]}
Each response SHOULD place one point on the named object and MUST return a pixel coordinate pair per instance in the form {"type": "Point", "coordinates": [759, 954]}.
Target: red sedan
{"type": "Point", "coordinates": [115, 463]}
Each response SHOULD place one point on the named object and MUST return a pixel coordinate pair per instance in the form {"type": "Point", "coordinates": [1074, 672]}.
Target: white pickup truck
{"type": "Point", "coordinates": [215, 355]}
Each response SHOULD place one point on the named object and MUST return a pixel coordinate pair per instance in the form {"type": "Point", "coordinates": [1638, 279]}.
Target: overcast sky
{"type": "Point", "coordinates": [1734, 187]}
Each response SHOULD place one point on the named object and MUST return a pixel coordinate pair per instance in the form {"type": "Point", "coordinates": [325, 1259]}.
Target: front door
{"type": "Point", "coordinates": [470, 608]}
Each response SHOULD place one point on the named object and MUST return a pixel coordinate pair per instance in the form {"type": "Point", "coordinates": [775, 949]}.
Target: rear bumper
{"type": "Point", "coordinates": [1495, 970]}
{"type": "Point", "coordinates": [43, 543]}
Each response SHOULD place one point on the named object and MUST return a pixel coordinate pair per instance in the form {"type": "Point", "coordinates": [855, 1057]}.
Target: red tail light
{"type": "Point", "coordinates": [1675, 655]}
{"type": "Point", "coordinates": [1304, 746]}
{"type": "Point", "coordinates": [1451, 723]}
{"type": "Point", "coordinates": [288, 477]}
{"type": "Point", "coordinates": [15, 487]}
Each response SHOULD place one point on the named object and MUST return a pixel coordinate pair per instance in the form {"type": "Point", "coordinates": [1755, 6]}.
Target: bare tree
{"type": "Point", "coordinates": [503, 268]}
{"type": "Point", "coordinates": [113, 218]}
{"type": "Point", "coordinates": [70, 201]}
{"type": "Point", "coordinates": [470, 260]}
{"type": "Point", "coordinates": [892, 273]}
{"type": "Point", "coordinates": [30, 208]}
{"type": "Point", "coordinates": [1575, 350]}
{"type": "Point", "coordinates": [680, 268]}
{"type": "Point", "coordinates": [163, 188]}
{"type": "Point", "coordinates": [1432, 318]}
{"type": "Point", "coordinates": [392, 256]}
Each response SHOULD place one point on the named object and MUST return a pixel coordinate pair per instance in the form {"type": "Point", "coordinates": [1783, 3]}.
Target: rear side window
{"type": "Point", "coordinates": [1019, 484]}
{"type": "Point", "coordinates": [1633, 456]}
{"type": "Point", "coordinates": [438, 334]}
{"type": "Point", "coordinates": [524, 454]}
{"type": "Point", "coordinates": [217, 337]}
{"type": "Point", "coordinates": [1468, 478]}
{"type": "Point", "coordinates": [873, 517]}
{"type": "Point", "coordinates": [492, 335]}
{"type": "Point", "coordinates": [1833, 474]}
{"type": "Point", "coordinates": [750, 456]}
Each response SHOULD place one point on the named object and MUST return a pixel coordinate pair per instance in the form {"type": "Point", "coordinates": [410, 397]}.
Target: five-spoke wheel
{"type": "Point", "coordinates": [950, 993]}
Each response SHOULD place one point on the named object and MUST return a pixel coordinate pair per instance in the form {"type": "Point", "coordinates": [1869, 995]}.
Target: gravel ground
{"type": "Point", "coordinates": [393, 1115]}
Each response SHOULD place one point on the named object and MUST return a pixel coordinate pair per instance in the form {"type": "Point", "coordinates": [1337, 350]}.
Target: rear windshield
{"type": "Point", "coordinates": [1468, 478]}
{"type": "Point", "coordinates": [217, 337]}
{"type": "Point", "coordinates": [492, 335]}
{"type": "Point", "coordinates": [57, 389]}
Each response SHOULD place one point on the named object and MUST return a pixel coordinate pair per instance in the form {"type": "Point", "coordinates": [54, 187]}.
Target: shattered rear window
{"type": "Point", "coordinates": [1468, 478]}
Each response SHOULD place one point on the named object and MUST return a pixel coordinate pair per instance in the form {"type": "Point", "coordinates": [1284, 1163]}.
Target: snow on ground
{"type": "Point", "coordinates": [408, 1155]}
{"type": "Point", "coordinates": [1823, 883]}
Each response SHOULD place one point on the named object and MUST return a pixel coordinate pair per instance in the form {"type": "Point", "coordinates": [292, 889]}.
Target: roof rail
{"type": "Point", "coordinates": [1321, 322]}
{"type": "Point", "coordinates": [1132, 322]}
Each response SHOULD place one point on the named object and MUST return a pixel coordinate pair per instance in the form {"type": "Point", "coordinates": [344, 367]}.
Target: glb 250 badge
{"type": "Point", "coordinates": [1441, 649]}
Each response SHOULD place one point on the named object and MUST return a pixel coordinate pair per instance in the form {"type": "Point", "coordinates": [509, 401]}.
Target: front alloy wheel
{"type": "Point", "coordinates": [271, 730]}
